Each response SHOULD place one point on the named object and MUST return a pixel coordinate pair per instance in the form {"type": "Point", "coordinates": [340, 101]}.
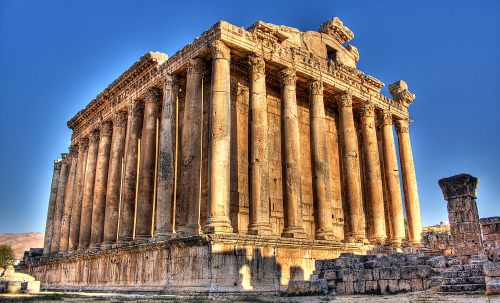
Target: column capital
{"type": "Point", "coordinates": [315, 87]}
{"type": "Point", "coordinates": [84, 144]}
{"type": "Point", "coordinates": [136, 108]}
{"type": "Point", "coordinates": [257, 64]}
{"type": "Point", "coordinates": [196, 66]}
{"type": "Point", "coordinates": [94, 136]}
{"type": "Point", "coordinates": [120, 118]}
{"type": "Point", "coordinates": [153, 95]}
{"type": "Point", "coordinates": [171, 80]}
{"type": "Point", "coordinates": [459, 186]}
{"type": "Point", "coordinates": [287, 76]}
{"type": "Point", "coordinates": [58, 162]}
{"type": "Point", "coordinates": [386, 117]}
{"type": "Point", "coordinates": [367, 110]}
{"type": "Point", "coordinates": [344, 99]}
{"type": "Point", "coordinates": [106, 129]}
{"type": "Point", "coordinates": [402, 125]}
{"type": "Point", "coordinates": [73, 150]}
{"type": "Point", "coordinates": [220, 50]}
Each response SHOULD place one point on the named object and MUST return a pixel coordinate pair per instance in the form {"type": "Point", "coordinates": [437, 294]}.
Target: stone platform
{"type": "Point", "coordinates": [225, 263]}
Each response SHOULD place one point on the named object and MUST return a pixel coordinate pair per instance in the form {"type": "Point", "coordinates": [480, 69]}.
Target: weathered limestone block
{"type": "Point", "coordinates": [437, 262]}
{"type": "Point", "coordinates": [491, 269]}
{"type": "Point", "coordinates": [30, 287]}
{"type": "Point", "coordinates": [493, 287]}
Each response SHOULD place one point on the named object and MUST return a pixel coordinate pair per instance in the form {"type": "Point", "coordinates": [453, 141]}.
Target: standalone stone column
{"type": "Point", "coordinates": [147, 170]}
{"type": "Point", "coordinates": [127, 210]}
{"type": "Point", "coordinates": [392, 180]}
{"type": "Point", "coordinates": [373, 175]}
{"type": "Point", "coordinates": [259, 163]}
{"type": "Point", "coordinates": [88, 192]}
{"type": "Point", "coordinates": [49, 225]}
{"type": "Point", "coordinates": [189, 192]}
{"type": "Point", "coordinates": [321, 168]}
{"type": "Point", "coordinates": [291, 145]}
{"type": "Point", "coordinates": [114, 179]}
{"type": "Point", "coordinates": [350, 153]}
{"type": "Point", "coordinates": [166, 160]}
{"type": "Point", "coordinates": [220, 142]}
{"type": "Point", "coordinates": [76, 206]}
{"type": "Point", "coordinates": [465, 228]}
{"type": "Point", "coordinates": [100, 187]}
{"type": "Point", "coordinates": [412, 204]}
{"type": "Point", "coordinates": [69, 197]}
{"type": "Point", "coordinates": [61, 194]}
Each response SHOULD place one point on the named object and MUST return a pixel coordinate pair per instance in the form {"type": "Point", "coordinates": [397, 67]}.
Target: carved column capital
{"type": "Point", "coordinates": [367, 110]}
{"type": "Point", "coordinates": [315, 87]}
{"type": "Point", "coordinates": [153, 95]}
{"type": "Point", "coordinates": [196, 66]}
{"type": "Point", "coordinates": [106, 129]}
{"type": "Point", "coordinates": [58, 163]}
{"type": "Point", "coordinates": [402, 125]}
{"type": "Point", "coordinates": [287, 76]}
{"type": "Point", "coordinates": [344, 99]}
{"type": "Point", "coordinates": [171, 81]}
{"type": "Point", "coordinates": [84, 144]}
{"type": "Point", "coordinates": [120, 118]}
{"type": "Point", "coordinates": [94, 136]}
{"type": "Point", "coordinates": [257, 64]}
{"type": "Point", "coordinates": [220, 50]}
{"type": "Point", "coordinates": [73, 150]}
{"type": "Point", "coordinates": [386, 117]}
{"type": "Point", "coordinates": [136, 108]}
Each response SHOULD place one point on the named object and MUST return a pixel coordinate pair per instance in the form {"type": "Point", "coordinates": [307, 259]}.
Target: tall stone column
{"type": "Point", "coordinates": [350, 153]}
{"type": "Point", "coordinates": [291, 145]}
{"type": "Point", "coordinates": [49, 224]}
{"type": "Point", "coordinates": [76, 206]}
{"type": "Point", "coordinates": [465, 227]}
{"type": "Point", "coordinates": [147, 170]}
{"type": "Point", "coordinates": [114, 179]}
{"type": "Point", "coordinates": [88, 192]}
{"type": "Point", "coordinates": [220, 142]}
{"type": "Point", "coordinates": [412, 204]}
{"type": "Point", "coordinates": [189, 192]}
{"type": "Point", "coordinates": [101, 183]}
{"type": "Point", "coordinates": [127, 211]}
{"type": "Point", "coordinates": [59, 210]}
{"type": "Point", "coordinates": [259, 159]}
{"type": "Point", "coordinates": [69, 197]}
{"type": "Point", "coordinates": [166, 160]}
{"type": "Point", "coordinates": [321, 168]}
{"type": "Point", "coordinates": [392, 180]}
{"type": "Point", "coordinates": [373, 175]}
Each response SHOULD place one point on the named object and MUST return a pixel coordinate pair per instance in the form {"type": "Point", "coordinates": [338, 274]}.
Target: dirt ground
{"type": "Point", "coordinates": [419, 297]}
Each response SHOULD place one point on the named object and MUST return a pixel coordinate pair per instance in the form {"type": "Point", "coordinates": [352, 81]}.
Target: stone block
{"type": "Point", "coordinates": [330, 275]}
{"type": "Point", "coordinates": [493, 287]}
{"type": "Point", "coordinates": [393, 286]}
{"type": "Point", "coordinates": [404, 285]}
{"type": "Point", "coordinates": [13, 287]}
{"type": "Point", "coordinates": [390, 273]}
{"type": "Point", "coordinates": [416, 284]}
{"type": "Point", "coordinates": [423, 271]}
{"type": "Point", "coordinates": [384, 286]}
{"type": "Point", "coordinates": [30, 287]}
{"type": "Point", "coordinates": [453, 262]}
{"type": "Point", "coordinates": [365, 274]}
{"type": "Point", "coordinates": [359, 287]}
{"type": "Point", "coordinates": [347, 274]}
{"type": "Point", "coordinates": [296, 287]}
{"type": "Point", "coordinates": [491, 269]}
{"type": "Point", "coordinates": [376, 273]}
{"type": "Point", "coordinates": [340, 288]}
{"type": "Point", "coordinates": [409, 272]}
{"type": "Point", "coordinates": [349, 288]}
{"type": "Point", "coordinates": [437, 262]}
{"type": "Point", "coordinates": [371, 287]}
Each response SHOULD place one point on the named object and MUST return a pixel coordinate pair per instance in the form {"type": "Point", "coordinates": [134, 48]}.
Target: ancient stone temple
{"type": "Point", "coordinates": [232, 166]}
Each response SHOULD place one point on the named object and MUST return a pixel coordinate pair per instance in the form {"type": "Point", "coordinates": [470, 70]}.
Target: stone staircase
{"type": "Point", "coordinates": [468, 278]}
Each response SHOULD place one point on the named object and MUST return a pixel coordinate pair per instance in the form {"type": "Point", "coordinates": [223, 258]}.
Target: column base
{"type": "Point", "coordinates": [378, 240]}
{"type": "Point", "coordinates": [396, 242]}
{"type": "Point", "coordinates": [324, 235]}
{"type": "Point", "coordinates": [189, 230]}
{"type": "Point", "coordinates": [107, 245]}
{"type": "Point", "coordinates": [294, 232]}
{"type": "Point", "coordinates": [162, 236]}
{"type": "Point", "coordinates": [260, 229]}
{"type": "Point", "coordinates": [416, 243]}
{"type": "Point", "coordinates": [94, 247]}
{"type": "Point", "coordinates": [357, 239]}
{"type": "Point", "coordinates": [217, 225]}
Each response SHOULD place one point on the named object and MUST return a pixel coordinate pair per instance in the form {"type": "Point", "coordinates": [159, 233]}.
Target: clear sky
{"type": "Point", "coordinates": [56, 56]}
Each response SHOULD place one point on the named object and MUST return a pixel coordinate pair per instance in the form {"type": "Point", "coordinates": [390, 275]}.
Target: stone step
{"type": "Point", "coordinates": [463, 288]}
{"type": "Point", "coordinates": [464, 280]}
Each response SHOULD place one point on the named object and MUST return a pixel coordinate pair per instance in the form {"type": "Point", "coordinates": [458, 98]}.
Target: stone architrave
{"type": "Point", "coordinates": [259, 159]}
{"type": "Point", "coordinates": [127, 209]}
{"type": "Point", "coordinates": [88, 191]}
{"type": "Point", "coordinates": [166, 160]}
{"type": "Point", "coordinates": [350, 153]}
{"type": "Point", "coordinates": [465, 227]}
{"type": "Point", "coordinates": [190, 188]}
{"type": "Point", "coordinates": [147, 170]}
{"type": "Point", "coordinates": [373, 175]}
{"type": "Point", "coordinates": [114, 179]}
{"type": "Point", "coordinates": [319, 148]}
{"type": "Point", "coordinates": [49, 225]}
{"type": "Point", "coordinates": [291, 157]}
{"type": "Point", "coordinates": [101, 184]}
{"type": "Point", "coordinates": [220, 142]}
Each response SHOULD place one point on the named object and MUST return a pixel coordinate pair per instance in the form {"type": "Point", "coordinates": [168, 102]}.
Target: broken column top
{"type": "Point", "coordinates": [459, 186]}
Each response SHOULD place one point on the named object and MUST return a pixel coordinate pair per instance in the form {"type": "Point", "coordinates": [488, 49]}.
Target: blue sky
{"type": "Point", "coordinates": [55, 56]}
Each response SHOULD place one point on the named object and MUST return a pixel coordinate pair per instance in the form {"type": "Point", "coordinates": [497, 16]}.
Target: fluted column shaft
{"type": "Point", "coordinates": [69, 197]}
{"type": "Point", "coordinates": [291, 145]}
{"type": "Point", "coordinates": [373, 176]}
{"type": "Point", "coordinates": [350, 153]}
{"type": "Point", "coordinates": [147, 170]}
{"type": "Point", "coordinates": [392, 180]}
{"type": "Point", "coordinates": [321, 168]}
{"type": "Point", "coordinates": [127, 211]}
{"type": "Point", "coordinates": [412, 204]}
{"type": "Point", "coordinates": [220, 142]}
{"type": "Point", "coordinates": [64, 178]}
{"type": "Point", "coordinates": [88, 192]}
{"type": "Point", "coordinates": [259, 159]}
{"type": "Point", "coordinates": [114, 179]}
{"type": "Point", "coordinates": [76, 204]}
{"type": "Point", "coordinates": [166, 160]}
{"type": "Point", "coordinates": [49, 224]}
{"type": "Point", "coordinates": [101, 183]}
{"type": "Point", "coordinates": [189, 194]}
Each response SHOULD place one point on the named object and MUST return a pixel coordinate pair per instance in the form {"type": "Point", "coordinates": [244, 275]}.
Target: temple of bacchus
{"type": "Point", "coordinates": [232, 166]}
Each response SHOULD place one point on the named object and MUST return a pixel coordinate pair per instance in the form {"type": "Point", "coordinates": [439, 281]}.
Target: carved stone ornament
{"type": "Point", "coordinates": [459, 186]}
{"type": "Point", "coordinates": [153, 95]}
{"type": "Point", "coordinates": [73, 150]}
{"type": "Point", "coordinates": [220, 50]}
{"type": "Point", "coordinates": [400, 93]}
{"type": "Point", "coordinates": [171, 81]}
{"type": "Point", "coordinates": [315, 87]}
{"type": "Point", "coordinates": [137, 108]}
{"type": "Point", "coordinates": [57, 163]}
{"type": "Point", "coordinates": [367, 110]}
{"type": "Point", "coordinates": [336, 28]}
{"type": "Point", "coordinates": [196, 66]}
{"type": "Point", "coordinates": [120, 118]}
{"type": "Point", "coordinates": [94, 136]}
{"type": "Point", "coordinates": [257, 64]}
{"type": "Point", "coordinates": [84, 144]}
{"type": "Point", "coordinates": [287, 76]}
{"type": "Point", "coordinates": [65, 158]}
{"type": "Point", "coordinates": [402, 125]}
{"type": "Point", "coordinates": [386, 117]}
{"type": "Point", "coordinates": [345, 99]}
{"type": "Point", "coordinates": [106, 129]}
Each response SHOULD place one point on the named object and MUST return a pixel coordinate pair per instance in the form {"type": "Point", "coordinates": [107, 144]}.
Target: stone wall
{"type": "Point", "coordinates": [440, 242]}
{"type": "Point", "coordinates": [491, 231]}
